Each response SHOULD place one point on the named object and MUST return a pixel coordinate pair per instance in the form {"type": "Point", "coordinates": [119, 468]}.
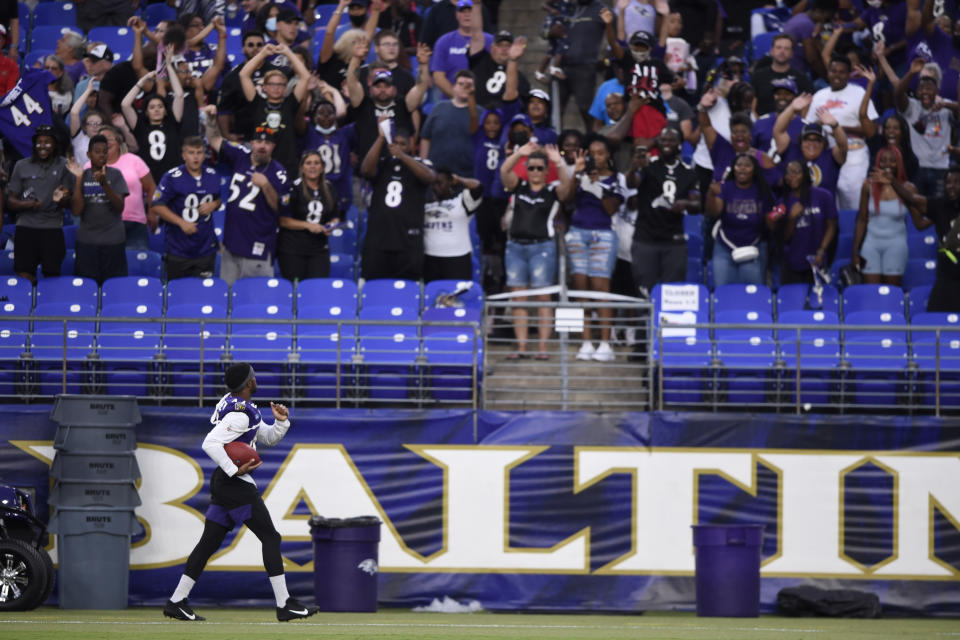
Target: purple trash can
{"type": "Point", "coordinates": [346, 562]}
{"type": "Point", "coordinates": [728, 570]}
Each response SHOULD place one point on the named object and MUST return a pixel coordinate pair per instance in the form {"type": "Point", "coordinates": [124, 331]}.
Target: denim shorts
{"type": "Point", "coordinates": [531, 265]}
{"type": "Point", "coordinates": [593, 252]}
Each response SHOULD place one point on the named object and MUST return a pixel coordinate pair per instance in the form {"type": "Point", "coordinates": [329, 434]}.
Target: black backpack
{"type": "Point", "coordinates": [806, 601]}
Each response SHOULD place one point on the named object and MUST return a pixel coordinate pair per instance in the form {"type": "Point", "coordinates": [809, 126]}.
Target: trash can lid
{"type": "Point", "coordinates": [319, 522]}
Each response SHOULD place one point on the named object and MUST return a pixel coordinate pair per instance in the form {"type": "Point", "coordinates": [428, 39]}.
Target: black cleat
{"type": "Point", "coordinates": [181, 611]}
{"type": "Point", "coordinates": [294, 610]}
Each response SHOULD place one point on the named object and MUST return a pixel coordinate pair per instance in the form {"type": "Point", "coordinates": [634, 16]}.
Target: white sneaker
{"type": "Point", "coordinates": [604, 353]}
{"type": "Point", "coordinates": [586, 351]}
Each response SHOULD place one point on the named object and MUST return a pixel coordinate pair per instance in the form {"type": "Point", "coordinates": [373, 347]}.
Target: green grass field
{"type": "Point", "coordinates": [49, 623]}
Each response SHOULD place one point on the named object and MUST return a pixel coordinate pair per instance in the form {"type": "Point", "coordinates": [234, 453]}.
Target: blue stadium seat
{"type": "Point", "coordinates": [877, 358]}
{"type": "Point", "coordinates": [873, 297]}
{"type": "Point", "coordinates": [25, 16]}
{"type": "Point", "coordinates": [198, 291]}
{"type": "Point", "coordinates": [13, 345]}
{"type": "Point", "coordinates": [919, 272]}
{"type": "Point", "coordinates": [686, 372]}
{"type": "Point", "coordinates": [129, 362]}
{"type": "Point", "coordinates": [922, 245]}
{"type": "Point", "coordinates": [844, 244]}
{"type": "Point", "coordinates": [735, 335]}
{"type": "Point", "coordinates": [917, 299]}
{"type": "Point", "coordinates": [317, 291]}
{"type": "Point", "coordinates": [69, 260]}
{"type": "Point", "coordinates": [450, 314]}
{"type": "Point", "coordinates": [35, 57]}
{"type": "Point", "coordinates": [344, 241]}
{"type": "Point", "coordinates": [470, 293]}
{"type": "Point", "coordinates": [389, 351]}
{"type": "Point", "coordinates": [761, 44]}
{"type": "Point", "coordinates": [6, 263]}
{"type": "Point", "coordinates": [846, 220]}
{"type": "Point", "coordinates": [743, 297]}
{"type": "Point", "coordinates": [693, 225]}
{"type": "Point", "coordinates": [70, 236]}
{"type": "Point", "coordinates": [119, 39]}
{"type": "Point", "coordinates": [268, 348]}
{"type": "Point", "coordinates": [937, 349]}
{"type": "Point", "coordinates": [157, 240]}
{"type": "Point", "coordinates": [452, 357]}
{"type": "Point", "coordinates": [390, 293]}
{"type": "Point", "coordinates": [144, 263]}
{"type": "Point", "coordinates": [144, 310]}
{"type": "Point", "coordinates": [323, 13]}
{"type": "Point", "coordinates": [52, 341]}
{"type": "Point", "coordinates": [694, 270]}
{"type": "Point", "coordinates": [263, 291]}
{"type": "Point", "coordinates": [55, 13]}
{"type": "Point", "coordinates": [748, 367]}
{"type": "Point", "coordinates": [46, 36]}
{"type": "Point", "coordinates": [68, 289]}
{"type": "Point", "coordinates": [814, 351]}
{"type": "Point", "coordinates": [17, 290]}
{"type": "Point", "coordinates": [835, 267]}
{"type": "Point", "coordinates": [343, 266]}
{"type": "Point", "coordinates": [694, 247]}
{"type": "Point", "coordinates": [154, 13]}
{"type": "Point", "coordinates": [132, 289]}
{"type": "Point", "coordinates": [794, 297]}
{"type": "Point", "coordinates": [188, 344]}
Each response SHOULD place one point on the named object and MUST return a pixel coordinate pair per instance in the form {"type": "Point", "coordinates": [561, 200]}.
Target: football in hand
{"type": "Point", "coordinates": [241, 453]}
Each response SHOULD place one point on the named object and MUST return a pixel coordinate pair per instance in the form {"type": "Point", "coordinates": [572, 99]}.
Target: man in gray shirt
{"type": "Point", "coordinates": [38, 190]}
{"type": "Point", "coordinates": [98, 195]}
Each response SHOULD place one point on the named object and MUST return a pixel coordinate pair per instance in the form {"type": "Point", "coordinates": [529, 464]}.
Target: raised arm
{"type": "Point", "coordinates": [622, 128]}
{"type": "Point", "coordinates": [209, 78]}
{"type": "Point", "coordinates": [507, 176]}
{"type": "Point", "coordinates": [177, 88]}
{"type": "Point", "coordinates": [76, 198]}
{"type": "Point", "coordinates": [246, 72]}
{"type": "Point", "coordinates": [303, 74]}
{"type": "Point", "coordinates": [415, 96]}
{"type": "Point", "coordinates": [512, 86]}
{"type": "Point", "coordinates": [370, 27]}
{"type": "Point", "coordinates": [707, 102]}
{"type": "Point", "coordinates": [900, 92]}
{"type": "Point", "coordinates": [329, 34]}
{"type": "Point", "coordinates": [126, 105]}
{"type": "Point", "coordinates": [424, 174]}
{"type": "Point", "coordinates": [335, 97]}
{"type": "Point", "coordinates": [608, 18]}
{"type": "Point", "coordinates": [566, 189]}
{"type": "Point", "coordinates": [139, 27]}
{"type": "Point", "coordinates": [842, 145]}
{"type": "Point", "coordinates": [714, 201]}
{"type": "Point", "coordinates": [829, 46]}
{"type": "Point", "coordinates": [780, 135]}
{"type": "Point", "coordinates": [354, 88]}
{"type": "Point", "coordinates": [211, 128]}
{"type": "Point", "coordinates": [77, 109]}
{"type": "Point", "coordinates": [368, 168]}
{"type": "Point", "coordinates": [867, 126]}
{"type": "Point", "coordinates": [477, 41]}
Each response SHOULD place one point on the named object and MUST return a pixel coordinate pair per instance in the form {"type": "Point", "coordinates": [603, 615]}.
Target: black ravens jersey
{"type": "Point", "coordinates": [396, 208]}
{"type": "Point", "coordinates": [662, 184]}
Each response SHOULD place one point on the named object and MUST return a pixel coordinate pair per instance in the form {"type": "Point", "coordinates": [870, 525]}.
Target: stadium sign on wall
{"type": "Point", "coordinates": [570, 510]}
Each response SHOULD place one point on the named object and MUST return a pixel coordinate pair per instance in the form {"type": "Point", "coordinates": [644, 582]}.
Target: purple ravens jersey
{"type": "Point", "coordinates": [763, 137]}
{"type": "Point", "coordinates": [824, 171]}
{"type": "Point", "coordinates": [231, 403]}
{"type": "Point", "coordinates": [183, 194]}
{"type": "Point", "coordinates": [201, 59]}
{"type": "Point", "coordinates": [487, 158]}
{"type": "Point", "coordinates": [335, 151]}
{"type": "Point", "coordinates": [250, 227]}
{"type": "Point", "coordinates": [26, 107]}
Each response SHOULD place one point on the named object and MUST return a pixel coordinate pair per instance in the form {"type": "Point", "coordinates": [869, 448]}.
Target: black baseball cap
{"type": "Point", "coordinates": [812, 129]}
{"type": "Point", "coordinates": [503, 35]}
{"type": "Point", "coordinates": [265, 133]}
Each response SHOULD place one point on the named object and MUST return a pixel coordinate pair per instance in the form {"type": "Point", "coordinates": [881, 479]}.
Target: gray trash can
{"type": "Point", "coordinates": [93, 546]}
{"type": "Point", "coordinates": [95, 494]}
{"type": "Point", "coordinates": [95, 411]}
{"type": "Point", "coordinates": [346, 562]}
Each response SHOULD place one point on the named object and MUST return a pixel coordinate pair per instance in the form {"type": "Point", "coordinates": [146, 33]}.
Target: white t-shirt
{"type": "Point", "coordinates": [930, 147]}
{"type": "Point", "coordinates": [446, 225]}
{"type": "Point", "coordinates": [844, 105]}
{"type": "Point", "coordinates": [720, 119]}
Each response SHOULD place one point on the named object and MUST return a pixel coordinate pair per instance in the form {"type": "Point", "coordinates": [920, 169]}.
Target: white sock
{"type": "Point", "coordinates": [183, 588]}
{"type": "Point", "coordinates": [279, 584]}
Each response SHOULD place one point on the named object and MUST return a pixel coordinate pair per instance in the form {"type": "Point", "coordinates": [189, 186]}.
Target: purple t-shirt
{"type": "Point", "coordinates": [824, 171]}
{"type": "Point", "coordinates": [723, 154]}
{"type": "Point", "coordinates": [888, 24]}
{"type": "Point", "coordinates": [743, 211]}
{"type": "Point", "coordinates": [810, 227]}
{"type": "Point", "coordinates": [450, 54]}
{"type": "Point", "coordinates": [938, 48]}
{"type": "Point", "coordinates": [800, 27]}
{"type": "Point", "coordinates": [335, 152]}
{"type": "Point", "coordinates": [183, 194]}
{"type": "Point", "coordinates": [589, 212]}
{"type": "Point", "coordinates": [250, 226]}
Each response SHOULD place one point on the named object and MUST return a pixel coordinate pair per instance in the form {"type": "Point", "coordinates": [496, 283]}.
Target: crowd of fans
{"type": "Point", "coordinates": [853, 106]}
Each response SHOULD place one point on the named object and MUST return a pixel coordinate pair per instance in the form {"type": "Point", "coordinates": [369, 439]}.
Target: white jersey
{"type": "Point", "coordinates": [845, 107]}
{"type": "Point", "coordinates": [446, 225]}
{"type": "Point", "coordinates": [235, 419]}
